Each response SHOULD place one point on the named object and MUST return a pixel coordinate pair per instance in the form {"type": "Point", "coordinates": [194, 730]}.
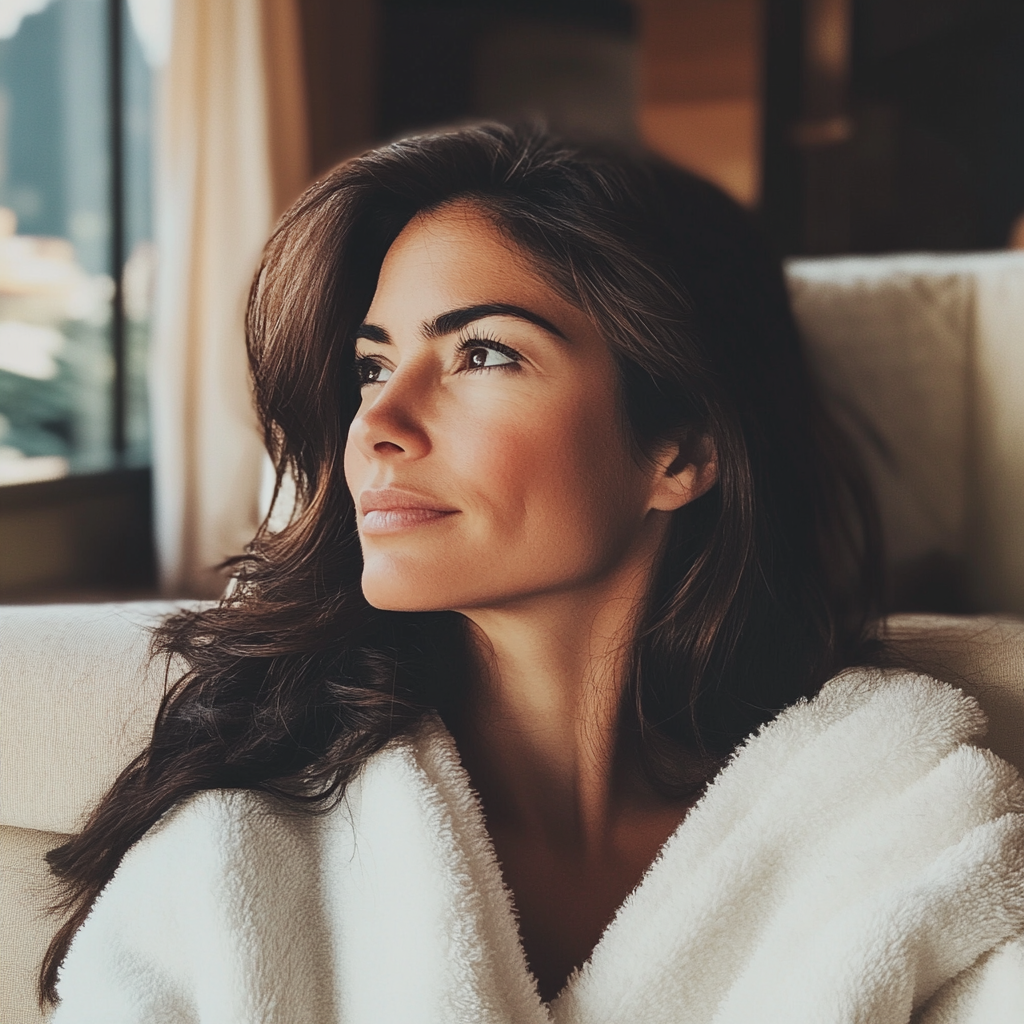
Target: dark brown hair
{"type": "Point", "coordinates": [768, 581]}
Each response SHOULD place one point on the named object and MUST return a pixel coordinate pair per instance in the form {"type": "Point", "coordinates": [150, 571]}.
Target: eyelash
{"type": "Point", "coordinates": [366, 363]}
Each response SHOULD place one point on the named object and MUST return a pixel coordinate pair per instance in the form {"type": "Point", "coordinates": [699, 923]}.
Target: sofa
{"type": "Point", "coordinates": [922, 357]}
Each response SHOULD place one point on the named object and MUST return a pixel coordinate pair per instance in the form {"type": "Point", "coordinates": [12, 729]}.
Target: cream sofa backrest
{"type": "Point", "coordinates": [78, 695]}
{"type": "Point", "coordinates": [923, 358]}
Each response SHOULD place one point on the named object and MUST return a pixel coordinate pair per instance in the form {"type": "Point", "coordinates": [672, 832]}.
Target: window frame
{"type": "Point", "coordinates": [108, 553]}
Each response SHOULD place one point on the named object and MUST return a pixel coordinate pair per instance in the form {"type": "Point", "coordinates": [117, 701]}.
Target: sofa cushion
{"type": "Point", "coordinates": [922, 358]}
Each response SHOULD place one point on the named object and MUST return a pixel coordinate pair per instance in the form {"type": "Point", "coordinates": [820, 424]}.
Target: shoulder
{"type": "Point", "coordinates": [881, 767]}
{"type": "Point", "coordinates": [161, 917]}
{"type": "Point", "coordinates": [884, 735]}
{"type": "Point", "coordinates": [183, 874]}
{"type": "Point", "coordinates": [201, 836]}
{"type": "Point", "coordinates": [888, 843]}
{"type": "Point", "coordinates": [869, 720]}
{"type": "Point", "coordinates": [212, 892]}
{"type": "Point", "coordinates": [911, 702]}
{"type": "Point", "coordinates": [216, 835]}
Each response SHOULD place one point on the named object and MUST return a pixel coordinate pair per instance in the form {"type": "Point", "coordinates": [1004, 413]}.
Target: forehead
{"type": "Point", "coordinates": [457, 256]}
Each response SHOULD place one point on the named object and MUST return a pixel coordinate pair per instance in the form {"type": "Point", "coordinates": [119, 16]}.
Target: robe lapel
{"type": "Point", "coordinates": [802, 887]}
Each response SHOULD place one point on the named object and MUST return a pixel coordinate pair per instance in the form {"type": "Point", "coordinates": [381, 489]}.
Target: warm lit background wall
{"type": "Point", "coordinates": [700, 88]}
{"type": "Point", "coordinates": [854, 125]}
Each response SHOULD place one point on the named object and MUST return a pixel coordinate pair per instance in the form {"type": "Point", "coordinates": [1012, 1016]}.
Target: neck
{"type": "Point", "coordinates": [540, 731]}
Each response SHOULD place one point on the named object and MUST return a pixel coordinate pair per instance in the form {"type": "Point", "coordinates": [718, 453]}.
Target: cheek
{"type": "Point", "coordinates": [500, 460]}
{"type": "Point", "coordinates": [516, 455]}
{"type": "Point", "coordinates": [550, 496]}
{"type": "Point", "coordinates": [556, 476]}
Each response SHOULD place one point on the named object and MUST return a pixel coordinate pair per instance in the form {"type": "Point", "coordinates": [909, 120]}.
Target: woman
{"type": "Point", "coordinates": [571, 527]}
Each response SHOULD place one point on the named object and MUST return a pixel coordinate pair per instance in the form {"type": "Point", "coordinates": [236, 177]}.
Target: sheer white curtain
{"type": "Point", "coordinates": [233, 153]}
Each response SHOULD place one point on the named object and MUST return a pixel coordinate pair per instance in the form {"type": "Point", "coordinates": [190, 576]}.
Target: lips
{"type": "Point", "coordinates": [391, 509]}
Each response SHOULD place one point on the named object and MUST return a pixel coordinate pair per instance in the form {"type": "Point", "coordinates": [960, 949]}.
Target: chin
{"type": "Point", "coordinates": [395, 588]}
{"type": "Point", "coordinates": [388, 599]}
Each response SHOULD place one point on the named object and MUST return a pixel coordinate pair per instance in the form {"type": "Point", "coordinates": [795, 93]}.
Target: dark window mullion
{"type": "Point", "coordinates": [115, 23]}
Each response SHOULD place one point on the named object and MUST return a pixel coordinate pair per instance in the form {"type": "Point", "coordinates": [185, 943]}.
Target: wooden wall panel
{"type": "Point", "coordinates": [700, 88]}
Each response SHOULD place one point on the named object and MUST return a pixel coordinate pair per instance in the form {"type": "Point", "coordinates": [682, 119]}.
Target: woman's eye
{"type": "Point", "coordinates": [479, 357]}
{"type": "Point", "coordinates": [369, 371]}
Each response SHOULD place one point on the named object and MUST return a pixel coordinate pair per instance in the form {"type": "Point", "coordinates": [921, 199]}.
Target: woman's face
{"type": "Point", "coordinates": [487, 461]}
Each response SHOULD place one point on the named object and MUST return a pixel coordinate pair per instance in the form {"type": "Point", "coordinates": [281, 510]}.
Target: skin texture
{"type": "Point", "coordinates": [526, 509]}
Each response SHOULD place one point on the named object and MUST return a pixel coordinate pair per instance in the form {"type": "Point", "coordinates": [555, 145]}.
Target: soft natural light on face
{"type": "Point", "coordinates": [487, 461]}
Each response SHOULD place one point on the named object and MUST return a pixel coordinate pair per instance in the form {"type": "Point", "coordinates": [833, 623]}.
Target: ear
{"type": "Point", "coordinates": [684, 471]}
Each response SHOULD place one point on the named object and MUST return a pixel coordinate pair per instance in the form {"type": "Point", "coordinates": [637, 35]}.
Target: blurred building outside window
{"type": "Point", "coordinates": [76, 132]}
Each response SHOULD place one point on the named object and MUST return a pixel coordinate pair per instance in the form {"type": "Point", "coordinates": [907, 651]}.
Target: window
{"type": "Point", "coordinates": [76, 251]}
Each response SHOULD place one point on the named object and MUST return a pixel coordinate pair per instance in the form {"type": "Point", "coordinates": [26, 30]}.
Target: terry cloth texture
{"type": "Point", "coordinates": [859, 860]}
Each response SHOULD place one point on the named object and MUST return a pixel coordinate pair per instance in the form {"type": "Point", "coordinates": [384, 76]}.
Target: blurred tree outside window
{"type": "Point", "coordinates": [75, 197]}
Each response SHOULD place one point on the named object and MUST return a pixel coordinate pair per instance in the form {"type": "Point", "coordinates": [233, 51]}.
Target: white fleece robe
{"type": "Point", "coordinates": [858, 860]}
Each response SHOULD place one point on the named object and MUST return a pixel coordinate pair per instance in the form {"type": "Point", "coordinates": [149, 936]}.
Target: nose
{"type": "Point", "coordinates": [390, 422]}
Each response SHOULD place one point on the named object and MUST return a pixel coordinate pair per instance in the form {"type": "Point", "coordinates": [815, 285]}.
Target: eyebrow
{"type": "Point", "coordinates": [456, 319]}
